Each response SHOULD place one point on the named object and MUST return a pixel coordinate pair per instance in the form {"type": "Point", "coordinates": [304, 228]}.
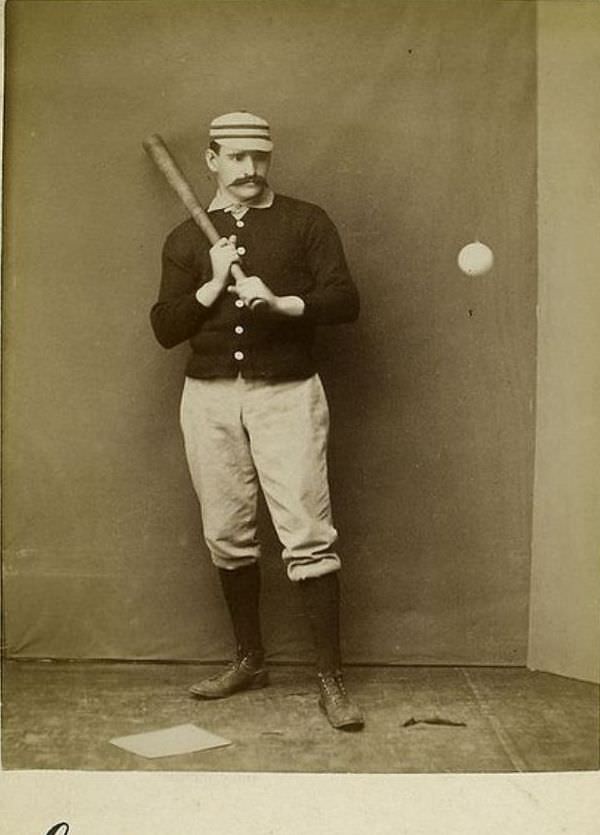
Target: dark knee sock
{"type": "Point", "coordinates": [241, 589]}
{"type": "Point", "coordinates": [321, 598]}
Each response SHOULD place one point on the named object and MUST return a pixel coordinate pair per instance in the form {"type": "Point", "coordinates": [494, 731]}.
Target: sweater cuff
{"type": "Point", "coordinates": [309, 308]}
{"type": "Point", "coordinates": [192, 310]}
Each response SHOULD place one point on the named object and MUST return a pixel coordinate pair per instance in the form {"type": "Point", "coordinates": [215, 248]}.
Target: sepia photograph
{"type": "Point", "coordinates": [301, 399]}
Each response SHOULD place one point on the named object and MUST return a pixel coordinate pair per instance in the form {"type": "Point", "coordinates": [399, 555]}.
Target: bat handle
{"type": "Point", "coordinates": [257, 305]}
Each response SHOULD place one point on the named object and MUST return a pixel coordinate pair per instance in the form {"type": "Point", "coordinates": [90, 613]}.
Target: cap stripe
{"type": "Point", "coordinates": [238, 126]}
{"type": "Point", "coordinates": [241, 135]}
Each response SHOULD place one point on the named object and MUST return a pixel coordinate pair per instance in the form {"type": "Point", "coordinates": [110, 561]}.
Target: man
{"type": "Point", "coordinates": [253, 409]}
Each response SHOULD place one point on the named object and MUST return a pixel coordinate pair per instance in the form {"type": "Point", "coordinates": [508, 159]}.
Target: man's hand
{"type": "Point", "coordinates": [252, 287]}
{"type": "Point", "coordinates": [222, 255]}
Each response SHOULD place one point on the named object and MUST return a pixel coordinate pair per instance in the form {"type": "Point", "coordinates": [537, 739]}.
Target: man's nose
{"type": "Point", "coordinates": [249, 166]}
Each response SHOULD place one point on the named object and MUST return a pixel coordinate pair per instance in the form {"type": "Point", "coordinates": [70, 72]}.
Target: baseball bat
{"type": "Point", "coordinates": [156, 148]}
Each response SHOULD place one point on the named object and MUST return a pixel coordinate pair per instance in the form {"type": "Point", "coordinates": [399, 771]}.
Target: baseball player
{"type": "Point", "coordinates": [253, 410]}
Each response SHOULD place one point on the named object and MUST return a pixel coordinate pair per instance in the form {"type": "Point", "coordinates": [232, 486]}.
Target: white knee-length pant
{"type": "Point", "coordinates": [241, 433]}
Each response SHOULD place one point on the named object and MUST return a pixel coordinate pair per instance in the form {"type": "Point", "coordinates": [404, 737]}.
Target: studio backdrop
{"type": "Point", "coordinates": [413, 125]}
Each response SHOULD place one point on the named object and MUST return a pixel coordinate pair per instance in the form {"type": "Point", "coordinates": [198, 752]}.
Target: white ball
{"type": "Point", "coordinates": [475, 259]}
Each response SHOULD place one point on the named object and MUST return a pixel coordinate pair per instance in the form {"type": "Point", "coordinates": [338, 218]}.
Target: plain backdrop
{"type": "Point", "coordinates": [414, 125]}
{"type": "Point", "coordinates": [565, 588]}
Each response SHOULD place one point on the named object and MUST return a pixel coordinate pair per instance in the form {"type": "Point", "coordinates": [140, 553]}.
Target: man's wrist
{"type": "Point", "coordinates": [209, 292]}
{"type": "Point", "coordinates": [288, 305]}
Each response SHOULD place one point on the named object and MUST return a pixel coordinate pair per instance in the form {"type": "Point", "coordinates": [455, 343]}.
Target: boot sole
{"type": "Point", "coordinates": [351, 726]}
{"type": "Point", "coordinates": [257, 683]}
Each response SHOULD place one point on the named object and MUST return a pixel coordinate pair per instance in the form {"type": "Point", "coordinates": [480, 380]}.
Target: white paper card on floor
{"type": "Point", "coordinates": [168, 742]}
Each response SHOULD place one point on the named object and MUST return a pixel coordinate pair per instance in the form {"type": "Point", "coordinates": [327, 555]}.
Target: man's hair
{"type": "Point", "coordinates": [214, 146]}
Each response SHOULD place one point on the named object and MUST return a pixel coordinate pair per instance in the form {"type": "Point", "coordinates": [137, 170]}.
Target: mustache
{"type": "Point", "coordinates": [253, 178]}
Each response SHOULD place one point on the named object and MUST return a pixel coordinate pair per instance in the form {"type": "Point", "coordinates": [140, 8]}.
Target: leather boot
{"type": "Point", "coordinates": [341, 712]}
{"type": "Point", "coordinates": [245, 673]}
{"type": "Point", "coordinates": [241, 589]}
{"type": "Point", "coordinates": [321, 597]}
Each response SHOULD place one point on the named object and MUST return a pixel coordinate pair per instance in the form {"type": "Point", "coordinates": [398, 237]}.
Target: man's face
{"type": "Point", "coordinates": [241, 173]}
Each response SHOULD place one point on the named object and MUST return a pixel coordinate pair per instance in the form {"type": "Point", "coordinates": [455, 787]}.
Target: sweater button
{"type": "Point", "coordinates": [241, 250]}
{"type": "Point", "coordinates": [239, 355]}
{"type": "Point", "coordinates": [239, 303]}
{"type": "Point", "coordinates": [239, 329]}
{"type": "Point", "coordinates": [239, 224]}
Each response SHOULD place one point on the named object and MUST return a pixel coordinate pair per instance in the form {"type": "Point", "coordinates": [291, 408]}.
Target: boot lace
{"type": "Point", "coordinates": [333, 686]}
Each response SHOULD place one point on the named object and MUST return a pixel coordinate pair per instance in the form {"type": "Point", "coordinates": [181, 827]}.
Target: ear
{"type": "Point", "coordinates": [211, 160]}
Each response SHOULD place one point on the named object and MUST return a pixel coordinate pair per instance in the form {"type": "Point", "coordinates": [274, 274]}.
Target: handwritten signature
{"type": "Point", "coordinates": [59, 829]}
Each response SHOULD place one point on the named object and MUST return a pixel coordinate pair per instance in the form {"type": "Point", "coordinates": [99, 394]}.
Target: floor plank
{"type": "Point", "coordinates": [62, 716]}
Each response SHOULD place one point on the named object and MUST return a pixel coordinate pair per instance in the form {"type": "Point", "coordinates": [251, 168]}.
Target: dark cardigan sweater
{"type": "Point", "coordinates": [295, 248]}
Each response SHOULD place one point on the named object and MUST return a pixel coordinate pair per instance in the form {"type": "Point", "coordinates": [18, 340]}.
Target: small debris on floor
{"type": "Point", "coordinates": [434, 720]}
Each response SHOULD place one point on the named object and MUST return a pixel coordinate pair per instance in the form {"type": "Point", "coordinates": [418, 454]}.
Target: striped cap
{"type": "Point", "coordinates": [241, 131]}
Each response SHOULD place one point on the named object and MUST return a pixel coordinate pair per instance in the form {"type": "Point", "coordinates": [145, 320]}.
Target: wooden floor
{"type": "Point", "coordinates": [62, 716]}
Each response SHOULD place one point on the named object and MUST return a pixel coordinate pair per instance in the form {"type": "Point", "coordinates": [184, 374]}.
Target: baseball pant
{"type": "Point", "coordinates": [240, 434]}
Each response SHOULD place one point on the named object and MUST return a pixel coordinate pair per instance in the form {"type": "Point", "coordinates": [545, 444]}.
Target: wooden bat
{"type": "Point", "coordinates": [156, 148]}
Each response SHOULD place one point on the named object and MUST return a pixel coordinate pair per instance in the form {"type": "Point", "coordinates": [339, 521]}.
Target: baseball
{"type": "Point", "coordinates": [475, 259]}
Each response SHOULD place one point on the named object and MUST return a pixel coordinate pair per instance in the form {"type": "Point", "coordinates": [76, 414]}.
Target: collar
{"type": "Point", "coordinates": [223, 201]}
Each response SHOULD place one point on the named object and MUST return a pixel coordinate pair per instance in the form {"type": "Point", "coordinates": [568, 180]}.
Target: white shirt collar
{"type": "Point", "coordinates": [223, 201]}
